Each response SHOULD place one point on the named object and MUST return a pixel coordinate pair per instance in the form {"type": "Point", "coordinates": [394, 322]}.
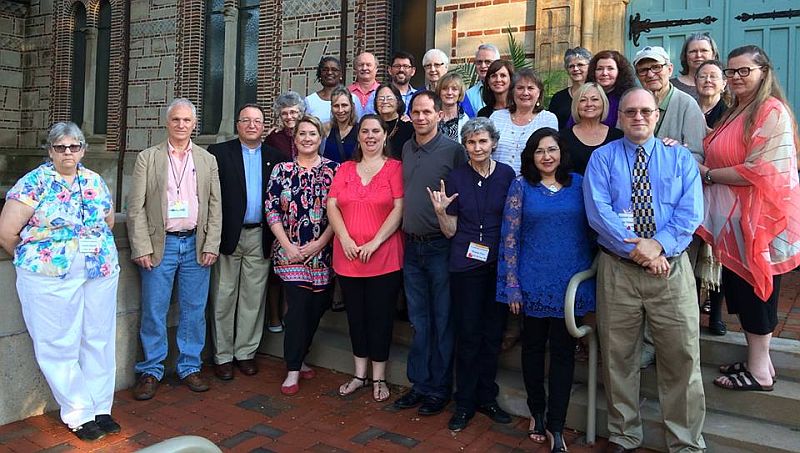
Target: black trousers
{"type": "Point", "coordinates": [479, 322]}
{"type": "Point", "coordinates": [370, 302]}
{"type": "Point", "coordinates": [535, 335]}
{"type": "Point", "coordinates": [304, 310]}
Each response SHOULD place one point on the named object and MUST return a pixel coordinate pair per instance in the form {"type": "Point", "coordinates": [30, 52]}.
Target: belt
{"type": "Point", "coordinates": [608, 252]}
{"type": "Point", "coordinates": [182, 234]}
{"type": "Point", "coordinates": [424, 237]}
{"type": "Point", "coordinates": [250, 226]}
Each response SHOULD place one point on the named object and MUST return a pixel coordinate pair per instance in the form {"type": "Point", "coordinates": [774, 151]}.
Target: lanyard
{"type": "Point", "coordinates": [481, 182]}
{"type": "Point", "coordinates": [183, 172]}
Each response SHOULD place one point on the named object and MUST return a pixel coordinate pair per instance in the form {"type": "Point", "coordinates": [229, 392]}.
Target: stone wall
{"type": "Point", "coordinates": [12, 32]}
{"type": "Point", "coordinates": [463, 25]}
{"type": "Point", "coordinates": [37, 54]}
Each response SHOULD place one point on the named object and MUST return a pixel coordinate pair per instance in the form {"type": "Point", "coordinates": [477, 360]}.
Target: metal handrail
{"type": "Point", "coordinates": [579, 332]}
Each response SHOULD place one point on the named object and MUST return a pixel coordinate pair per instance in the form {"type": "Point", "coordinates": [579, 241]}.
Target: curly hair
{"type": "Point", "coordinates": [625, 76]}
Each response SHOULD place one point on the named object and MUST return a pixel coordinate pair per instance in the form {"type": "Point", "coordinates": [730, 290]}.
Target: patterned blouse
{"type": "Point", "coordinates": [297, 198]}
{"type": "Point", "coordinates": [62, 214]}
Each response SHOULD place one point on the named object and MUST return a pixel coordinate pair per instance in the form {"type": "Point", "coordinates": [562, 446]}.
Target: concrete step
{"type": "Point", "coordinates": [735, 421]}
{"type": "Point", "coordinates": [732, 347]}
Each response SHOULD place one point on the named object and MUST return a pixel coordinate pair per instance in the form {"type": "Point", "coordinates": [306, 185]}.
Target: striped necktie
{"type": "Point", "coordinates": [644, 222]}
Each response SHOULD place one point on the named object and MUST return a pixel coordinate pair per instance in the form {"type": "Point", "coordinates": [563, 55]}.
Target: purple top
{"type": "Point", "coordinates": [613, 107]}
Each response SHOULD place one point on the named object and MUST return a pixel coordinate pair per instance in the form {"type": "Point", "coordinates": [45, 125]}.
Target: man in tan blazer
{"type": "Point", "coordinates": [174, 225]}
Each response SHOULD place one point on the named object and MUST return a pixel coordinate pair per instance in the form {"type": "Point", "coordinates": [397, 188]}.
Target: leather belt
{"type": "Point", "coordinates": [424, 237]}
{"type": "Point", "coordinates": [182, 234]}
{"type": "Point", "coordinates": [250, 226]}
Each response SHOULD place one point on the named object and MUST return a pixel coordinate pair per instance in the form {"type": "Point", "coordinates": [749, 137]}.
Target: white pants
{"type": "Point", "coordinates": [72, 322]}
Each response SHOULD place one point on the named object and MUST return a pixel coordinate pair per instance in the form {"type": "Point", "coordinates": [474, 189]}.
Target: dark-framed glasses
{"type": "Point", "coordinates": [73, 148]}
{"type": "Point", "coordinates": [654, 68]}
{"type": "Point", "coordinates": [743, 72]}
{"type": "Point", "coordinates": [404, 67]}
{"type": "Point", "coordinates": [631, 113]}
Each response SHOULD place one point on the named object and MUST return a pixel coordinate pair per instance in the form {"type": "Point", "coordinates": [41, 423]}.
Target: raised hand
{"type": "Point", "coordinates": [440, 199]}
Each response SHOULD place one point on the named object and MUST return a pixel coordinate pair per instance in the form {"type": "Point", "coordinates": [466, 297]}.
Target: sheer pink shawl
{"type": "Point", "coordinates": [755, 230]}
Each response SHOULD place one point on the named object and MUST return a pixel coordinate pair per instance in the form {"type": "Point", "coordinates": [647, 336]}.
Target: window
{"type": "Point", "coordinates": [102, 68]}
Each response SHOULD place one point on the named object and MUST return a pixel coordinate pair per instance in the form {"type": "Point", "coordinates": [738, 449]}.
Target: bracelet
{"type": "Point", "coordinates": [708, 177]}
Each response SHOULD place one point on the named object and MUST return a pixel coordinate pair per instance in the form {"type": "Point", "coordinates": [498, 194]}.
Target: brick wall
{"type": "Point", "coordinates": [12, 33]}
{"type": "Point", "coordinates": [462, 25]}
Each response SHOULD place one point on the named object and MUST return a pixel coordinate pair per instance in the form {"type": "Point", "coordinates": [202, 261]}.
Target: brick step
{"type": "Point", "coordinates": [735, 421]}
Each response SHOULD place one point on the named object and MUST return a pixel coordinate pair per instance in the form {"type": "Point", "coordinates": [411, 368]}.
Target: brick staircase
{"type": "Point", "coordinates": [735, 421]}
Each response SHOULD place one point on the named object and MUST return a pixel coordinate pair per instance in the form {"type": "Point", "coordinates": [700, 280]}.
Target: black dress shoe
{"type": "Point", "coordinates": [494, 412]}
{"type": "Point", "coordinates": [432, 405]}
{"type": "Point", "coordinates": [89, 431]}
{"type": "Point", "coordinates": [459, 420]}
{"type": "Point", "coordinates": [409, 400]}
{"type": "Point", "coordinates": [107, 424]}
{"type": "Point", "coordinates": [247, 367]}
{"type": "Point", "coordinates": [224, 371]}
{"type": "Point", "coordinates": [717, 327]}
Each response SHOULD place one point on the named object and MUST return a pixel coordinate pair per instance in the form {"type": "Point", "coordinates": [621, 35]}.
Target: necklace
{"type": "Point", "coordinates": [370, 169]}
{"type": "Point", "coordinates": [481, 173]}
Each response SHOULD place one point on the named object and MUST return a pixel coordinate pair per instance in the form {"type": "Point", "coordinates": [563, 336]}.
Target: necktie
{"type": "Point", "coordinates": [644, 222]}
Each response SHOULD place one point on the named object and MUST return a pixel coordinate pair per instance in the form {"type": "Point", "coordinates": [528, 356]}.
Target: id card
{"type": "Point", "coordinates": [478, 252]}
{"type": "Point", "coordinates": [89, 245]}
{"type": "Point", "coordinates": [178, 210]}
{"type": "Point", "coordinates": [627, 220]}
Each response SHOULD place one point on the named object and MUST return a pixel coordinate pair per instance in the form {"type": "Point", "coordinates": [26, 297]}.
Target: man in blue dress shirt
{"type": "Point", "coordinates": [645, 200]}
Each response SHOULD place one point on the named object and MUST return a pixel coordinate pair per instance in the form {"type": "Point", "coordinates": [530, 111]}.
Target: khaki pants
{"type": "Point", "coordinates": [238, 290]}
{"type": "Point", "coordinates": [627, 298]}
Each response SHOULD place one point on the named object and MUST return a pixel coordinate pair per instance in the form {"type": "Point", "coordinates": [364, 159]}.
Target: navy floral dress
{"type": "Point", "coordinates": [545, 240]}
{"type": "Point", "coordinates": [297, 198]}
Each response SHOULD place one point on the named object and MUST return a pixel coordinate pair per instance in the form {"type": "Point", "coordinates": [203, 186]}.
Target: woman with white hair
{"type": "Point", "coordinates": [435, 63]}
{"type": "Point", "coordinates": [290, 107]}
{"type": "Point", "coordinates": [57, 223]}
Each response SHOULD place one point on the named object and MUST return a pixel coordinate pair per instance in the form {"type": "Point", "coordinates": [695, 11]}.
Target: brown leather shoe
{"type": "Point", "coordinates": [145, 387]}
{"type": "Point", "coordinates": [224, 371]}
{"type": "Point", "coordinates": [195, 382]}
{"type": "Point", "coordinates": [247, 367]}
{"type": "Point", "coordinates": [617, 448]}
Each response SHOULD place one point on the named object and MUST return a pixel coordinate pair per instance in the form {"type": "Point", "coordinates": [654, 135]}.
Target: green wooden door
{"type": "Point", "coordinates": [778, 36]}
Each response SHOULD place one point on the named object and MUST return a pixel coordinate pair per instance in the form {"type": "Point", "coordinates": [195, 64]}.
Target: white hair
{"type": "Point", "coordinates": [181, 102]}
{"type": "Point", "coordinates": [435, 52]}
{"type": "Point", "coordinates": [491, 48]}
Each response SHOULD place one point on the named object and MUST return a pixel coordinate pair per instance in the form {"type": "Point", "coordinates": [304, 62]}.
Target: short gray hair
{"type": "Point", "coordinates": [477, 125]}
{"type": "Point", "coordinates": [435, 52]}
{"type": "Point", "coordinates": [576, 52]}
{"type": "Point", "coordinates": [490, 48]}
{"type": "Point", "coordinates": [180, 102]}
{"type": "Point", "coordinates": [61, 130]}
{"type": "Point", "coordinates": [290, 99]}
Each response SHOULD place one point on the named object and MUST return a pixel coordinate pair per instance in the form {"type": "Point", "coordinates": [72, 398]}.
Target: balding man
{"type": "Point", "coordinates": [366, 67]}
{"type": "Point", "coordinates": [645, 200]}
{"type": "Point", "coordinates": [174, 226]}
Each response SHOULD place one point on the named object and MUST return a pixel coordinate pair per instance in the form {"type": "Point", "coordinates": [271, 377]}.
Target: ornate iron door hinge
{"type": "Point", "coordinates": [638, 26]}
{"type": "Point", "coordinates": [744, 17]}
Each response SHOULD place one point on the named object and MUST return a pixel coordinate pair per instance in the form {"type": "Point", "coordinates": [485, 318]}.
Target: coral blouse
{"type": "Point", "coordinates": [364, 208]}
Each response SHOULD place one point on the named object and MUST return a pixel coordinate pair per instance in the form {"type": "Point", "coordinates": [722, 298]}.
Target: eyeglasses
{"type": "Point", "coordinates": [711, 77]}
{"type": "Point", "coordinates": [631, 113]}
{"type": "Point", "coordinates": [433, 65]}
{"type": "Point", "coordinates": [255, 121]}
{"type": "Point", "coordinates": [386, 98]}
{"type": "Point", "coordinates": [73, 148]}
{"type": "Point", "coordinates": [743, 72]}
{"type": "Point", "coordinates": [404, 67]}
{"type": "Point", "coordinates": [483, 62]}
{"type": "Point", "coordinates": [539, 152]}
{"type": "Point", "coordinates": [655, 69]}
{"type": "Point", "coordinates": [576, 66]}
{"type": "Point", "coordinates": [288, 113]}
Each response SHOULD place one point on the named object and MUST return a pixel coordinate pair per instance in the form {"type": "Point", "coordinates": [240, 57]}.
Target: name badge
{"type": "Point", "coordinates": [89, 245]}
{"type": "Point", "coordinates": [478, 252]}
{"type": "Point", "coordinates": [178, 210]}
{"type": "Point", "coordinates": [627, 220]}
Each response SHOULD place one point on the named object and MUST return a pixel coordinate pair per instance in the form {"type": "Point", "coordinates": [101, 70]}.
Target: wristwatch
{"type": "Point", "coordinates": [708, 177]}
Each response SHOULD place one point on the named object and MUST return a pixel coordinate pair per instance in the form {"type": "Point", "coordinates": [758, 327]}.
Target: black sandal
{"type": "Point", "coordinates": [348, 385]}
{"type": "Point", "coordinates": [557, 442]}
{"type": "Point", "coordinates": [378, 382]}
{"type": "Point", "coordinates": [538, 429]}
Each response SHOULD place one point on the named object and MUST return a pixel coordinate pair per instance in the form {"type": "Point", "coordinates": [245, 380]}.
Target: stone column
{"type": "Point", "coordinates": [90, 81]}
{"type": "Point", "coordinates": [231, 14]}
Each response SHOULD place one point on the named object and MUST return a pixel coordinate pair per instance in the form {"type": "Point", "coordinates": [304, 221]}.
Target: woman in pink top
{"type": "Point", "coordinates": [365, 206]}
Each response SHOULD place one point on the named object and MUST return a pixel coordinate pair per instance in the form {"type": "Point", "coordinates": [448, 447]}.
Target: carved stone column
{"type": "Point", "coordinates": [231, 14]}
{"type": "Point", "coordinates": [90, 81]}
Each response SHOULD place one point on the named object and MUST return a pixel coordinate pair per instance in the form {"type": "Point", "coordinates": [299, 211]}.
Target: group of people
{"type": "Point", "coordinates": [476, 201]}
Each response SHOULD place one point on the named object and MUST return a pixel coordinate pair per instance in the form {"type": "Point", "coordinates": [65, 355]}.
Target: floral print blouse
{"type": "Point", "coordinates": [63, 213]}
{"type": "Point", "coordinates": [297, 197]}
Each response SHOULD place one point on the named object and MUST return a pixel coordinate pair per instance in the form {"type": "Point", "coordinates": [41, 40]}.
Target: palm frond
{"type": "Point", "coordinates": [468, 73]}
{"type": "Point", "coordinates": [517, 52]}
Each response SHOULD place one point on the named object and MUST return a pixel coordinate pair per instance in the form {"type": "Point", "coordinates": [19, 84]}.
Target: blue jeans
{"type": "Point", "coordinates": [427, 285]}
{"type": "Point", "coordinates": [180, 258]}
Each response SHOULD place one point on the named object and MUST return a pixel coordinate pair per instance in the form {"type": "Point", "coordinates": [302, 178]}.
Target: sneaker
{"type": "Point", "coordinates": [89, 431]}
{"type": "Point", "coordinates": [107, 424]}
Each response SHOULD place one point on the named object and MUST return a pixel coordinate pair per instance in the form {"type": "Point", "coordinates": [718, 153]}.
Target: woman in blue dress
{"type": "Point", "coordinates": [545, 240]}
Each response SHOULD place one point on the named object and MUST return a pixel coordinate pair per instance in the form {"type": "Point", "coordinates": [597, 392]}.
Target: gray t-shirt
{"type": "Point", "coordinates": [424, 166]}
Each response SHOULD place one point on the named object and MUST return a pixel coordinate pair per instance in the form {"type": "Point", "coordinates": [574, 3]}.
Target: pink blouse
{"type": "Point", "coordinates": [364, 209]}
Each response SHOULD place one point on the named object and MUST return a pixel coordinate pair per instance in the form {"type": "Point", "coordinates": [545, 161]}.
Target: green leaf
{"type": "Point", "coordinates": [517, 52]}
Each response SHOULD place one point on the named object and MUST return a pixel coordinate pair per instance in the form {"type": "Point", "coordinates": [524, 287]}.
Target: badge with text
{"type": "Point", "coordinates": [178, 210]}
{"type": "Point", "coordinates": [627, 219]}
{"type": "Point", "coordinates": [89, 245]}
{"type": "Point", "coordinates": [478, 252]}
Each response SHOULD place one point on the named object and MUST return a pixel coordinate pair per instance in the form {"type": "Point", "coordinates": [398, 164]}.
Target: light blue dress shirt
{"type": "Point", "coordinates": [474, 96]}
{"type": "Point", "coordinates": [676, 186]}
{"type": "Point", "coordinates": [253, 184]}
